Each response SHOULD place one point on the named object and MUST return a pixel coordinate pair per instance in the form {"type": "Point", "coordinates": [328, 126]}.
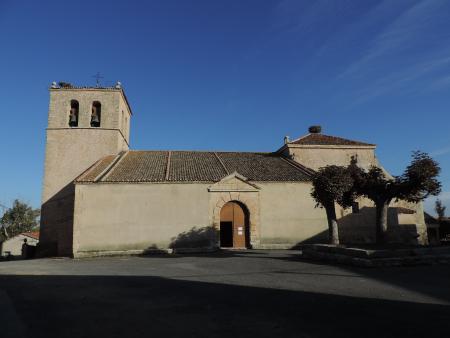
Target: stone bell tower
{"type": "Point", "coordinates": [84, 125]}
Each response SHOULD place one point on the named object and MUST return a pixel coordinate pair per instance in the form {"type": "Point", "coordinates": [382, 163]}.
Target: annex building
{"type": "Point", "coordinates": [99, 197]}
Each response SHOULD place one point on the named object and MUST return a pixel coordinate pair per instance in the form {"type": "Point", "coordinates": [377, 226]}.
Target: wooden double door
{"type": "Point", "coordinates": [233, 226]}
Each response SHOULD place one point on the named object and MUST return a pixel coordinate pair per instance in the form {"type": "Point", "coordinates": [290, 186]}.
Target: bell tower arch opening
{"type": "Point", "coordinates": [234, 226]}
{"type": "Point", "coordinates": [74, 113]}
{"type": "Point", "coordinates": [96, 114]}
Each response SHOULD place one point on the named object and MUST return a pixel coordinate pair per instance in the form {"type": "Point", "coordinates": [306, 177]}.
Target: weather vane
{"type": "Point", "coordinates": [97, 78]}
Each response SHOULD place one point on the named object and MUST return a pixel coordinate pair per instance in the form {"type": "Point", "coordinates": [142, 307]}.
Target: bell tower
{"type": "Point", "coordinates": [84, 125]}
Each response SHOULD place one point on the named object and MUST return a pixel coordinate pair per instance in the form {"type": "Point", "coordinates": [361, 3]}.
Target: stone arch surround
{"type": "Point", "coordinates": [250, 200]}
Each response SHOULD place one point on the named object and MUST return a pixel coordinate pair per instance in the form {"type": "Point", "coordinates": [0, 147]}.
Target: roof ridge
{"type": "Point", "coordinates": [88, 170]}
{"type": "Point", "coordinates": [347, 139]}
{"type": "Point", "coordinates": [108, 169]}
{"type": "Point", "coordinates": [31, 234]}
{"type": "Point", "coordinates": [349, 142]}
{"type": "Point", "coordinates": [223, 164]}
{"type": "Point", "coordinates": [299, 166]}
{"type": "Point", "coordinates": [301, 137]}
{"type": "Point", "coordinates": [204, 151]}
{"type": "Point", "coordinates": [169, 155]}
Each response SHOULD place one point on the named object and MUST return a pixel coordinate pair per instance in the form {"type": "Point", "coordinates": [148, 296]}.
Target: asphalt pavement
{"type": "Point", "coordinates": [234, 293]}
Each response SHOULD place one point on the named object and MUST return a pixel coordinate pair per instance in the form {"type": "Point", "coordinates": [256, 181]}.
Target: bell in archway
{"type": "Point", "coordinates": [95, 119]}
{"type": "Point", "coordinates": [73, 118]}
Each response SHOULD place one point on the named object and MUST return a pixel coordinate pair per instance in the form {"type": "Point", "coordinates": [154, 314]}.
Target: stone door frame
{"type": "Point", "coordinates": [236, 188]}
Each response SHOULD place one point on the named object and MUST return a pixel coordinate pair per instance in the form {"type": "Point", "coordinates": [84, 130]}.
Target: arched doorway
{"type": "Point", "coordinates": [234, 229]}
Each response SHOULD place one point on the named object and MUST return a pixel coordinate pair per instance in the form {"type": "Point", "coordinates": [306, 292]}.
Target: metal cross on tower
{"type": "Point", "coordinates": [97, 78]}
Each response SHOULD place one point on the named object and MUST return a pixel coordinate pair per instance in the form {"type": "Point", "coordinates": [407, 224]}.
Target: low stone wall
{"type": "Point", "coordinates": [376, 258]}
{"type": "Point", "coordinates": [92, 254]}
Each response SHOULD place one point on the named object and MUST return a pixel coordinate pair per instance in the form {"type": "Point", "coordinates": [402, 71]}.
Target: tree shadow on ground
{"type": "Point", "coordinates": [196, 237]}
{"type": "Point", "coordinates": [138, 306]}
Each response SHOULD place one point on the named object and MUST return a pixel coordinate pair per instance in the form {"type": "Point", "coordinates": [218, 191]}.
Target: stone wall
{"type": "Point", "coordinates": [315, 157]}
{"type": "Point", "coordinates": [138, 217]}
{"type": "Point", "coordinates": [289, 216]}
{"type": "Point", "coordinates": [123, 217]}
{"type": "Point", "coordinates": [403, 228]}
{"type": "Point", "coordinates": [72, 150]}
{"type": "Point", "coordinates": [14, 245]}
{"type": "Point", "coordinates": [112, 103]}
{"type": "Point", "coordinates": [127, 217]}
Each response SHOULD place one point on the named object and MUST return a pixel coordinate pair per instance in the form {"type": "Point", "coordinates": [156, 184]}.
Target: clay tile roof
{"type": "Point", "coordinates": [264, 167]}
{"type": "Point", "coordinates": [403, 210]}
{"type": "Point", "coordinates": [195, 166]}
{"type": "Point", "coordinates": [199, 166]}
{"type": "Point", "coordinates": [95, 170]}
{"type": "Point", "coordinates": [139, 166]}
{"type": "Point", "coordinates": [321, 139]}
{"type": "Point", "coordinates": [31, 234]}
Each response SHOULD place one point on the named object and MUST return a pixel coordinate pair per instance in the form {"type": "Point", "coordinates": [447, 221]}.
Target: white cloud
{"type": "Point", "coordinates": [440, 83]}
{"type": "Point", "coordinates": [422, 72]}
{"type": "Point", "coordinates": [398, 35]}
{"type": "Point", "coordinates": [441, 151]}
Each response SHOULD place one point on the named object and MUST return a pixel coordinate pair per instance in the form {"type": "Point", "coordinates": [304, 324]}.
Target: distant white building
{"type": "Point", "coordinates": [13, 246]}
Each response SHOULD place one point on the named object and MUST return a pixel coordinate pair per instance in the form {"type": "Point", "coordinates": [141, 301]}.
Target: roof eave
{"type": "Point", "coordinates": [330, 146]}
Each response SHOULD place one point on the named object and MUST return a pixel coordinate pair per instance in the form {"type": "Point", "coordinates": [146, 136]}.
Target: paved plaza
{"type": "Point", "coordinates": [228, 294]}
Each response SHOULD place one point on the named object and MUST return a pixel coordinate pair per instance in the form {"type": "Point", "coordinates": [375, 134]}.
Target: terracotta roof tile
{"type": "Point", "coordinates": [139, 166]}
{"type": "Point", "coordinates": [321, 139]}
{"type": "Point", "coordinates": [263, 167]}
{"type": "Point", "coordinates": [195, 166]}
{"type": "Point", "coordinates": [31, 234]}
{"type": "Point", "coordinates": [95, 170]}
{"type": "Point", "coordinates": [198, 166]}
{"type": "Point", "coordinates": [403, 210]}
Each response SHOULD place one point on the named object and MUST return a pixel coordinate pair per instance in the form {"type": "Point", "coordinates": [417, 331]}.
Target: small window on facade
{"type": "Point", "coordinates": [73, 115]}
{"type": "Point", "coordinates": [355, 208]}
{"type": "Point", "coordinates": [96, 115]}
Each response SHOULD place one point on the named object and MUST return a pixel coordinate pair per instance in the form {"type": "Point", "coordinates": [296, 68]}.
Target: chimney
{"type": "Point", "coordinates": [286, 139]}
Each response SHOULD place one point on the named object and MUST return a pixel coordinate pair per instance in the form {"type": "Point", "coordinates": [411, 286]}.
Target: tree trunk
{"type": "Point", "coordinates": [382, 208]}
{"type": "Point", "coordinates": [5, 232]}
{"type": "Point", "coordinates": [333, 234]}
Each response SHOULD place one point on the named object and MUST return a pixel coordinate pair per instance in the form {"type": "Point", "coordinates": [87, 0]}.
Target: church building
{"type": "Point", "coordinates": [99, 197]}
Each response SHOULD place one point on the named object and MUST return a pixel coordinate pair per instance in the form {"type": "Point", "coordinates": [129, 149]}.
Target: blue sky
{"type": "Point", "coordinates": [232, 75]}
